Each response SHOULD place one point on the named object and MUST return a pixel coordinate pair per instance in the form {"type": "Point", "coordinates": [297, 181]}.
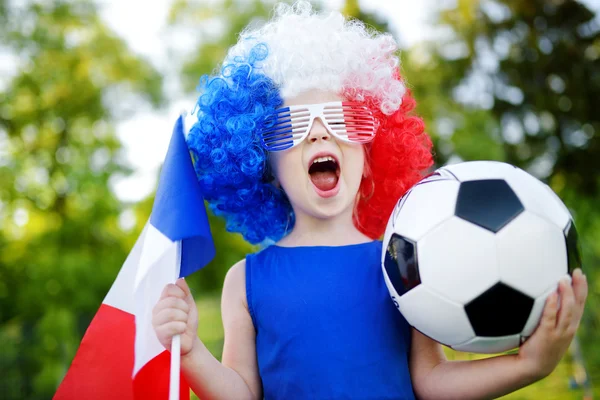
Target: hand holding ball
{"type": "Point", "coordinates": [471, 253]}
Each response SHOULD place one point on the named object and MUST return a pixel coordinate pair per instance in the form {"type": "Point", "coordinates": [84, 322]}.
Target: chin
{"type": "Point", "coordinates": [329, 211]}
{"type": "Point", "coordinates": [330, 207]}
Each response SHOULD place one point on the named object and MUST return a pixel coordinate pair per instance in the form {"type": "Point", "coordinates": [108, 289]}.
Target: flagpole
{"type": "Point", "coordinates": [175, 346]}
{"type": "Point", "coordinates": [175, 368]}
{"type": "Point", "coordinates": [176, 341]}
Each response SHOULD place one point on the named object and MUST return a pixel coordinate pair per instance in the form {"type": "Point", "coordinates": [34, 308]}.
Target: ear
{"type": "Point", "coordinates": [275, 182]}
{"type": "Point", "coordinates": [270, 175]}
{"type": "Point", "coordinates": [367, 172]}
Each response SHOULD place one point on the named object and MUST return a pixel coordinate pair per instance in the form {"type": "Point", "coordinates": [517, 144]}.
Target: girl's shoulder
{"type": "Point", "coordinates": [234, 285]}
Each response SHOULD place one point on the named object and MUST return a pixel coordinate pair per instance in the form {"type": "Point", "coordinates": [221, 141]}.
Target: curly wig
{"type": "Point", "coordinates": [299, 50]}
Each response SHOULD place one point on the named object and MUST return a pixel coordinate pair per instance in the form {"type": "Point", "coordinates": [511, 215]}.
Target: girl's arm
{"type": "Point", "coordinates": [434, 377]}
{"type": "Point", "coordinates": [237, 376]}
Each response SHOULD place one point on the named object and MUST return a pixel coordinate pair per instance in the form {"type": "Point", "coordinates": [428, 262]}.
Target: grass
{"type": "Point", "coordinates": [554, 387]}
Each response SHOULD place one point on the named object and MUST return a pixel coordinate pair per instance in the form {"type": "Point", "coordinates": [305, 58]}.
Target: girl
{"type": "Point", "coordinates": [304, 140]}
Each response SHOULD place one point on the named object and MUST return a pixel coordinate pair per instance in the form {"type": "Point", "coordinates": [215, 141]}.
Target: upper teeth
{"type": "Point", "coordinates": [323, 159]}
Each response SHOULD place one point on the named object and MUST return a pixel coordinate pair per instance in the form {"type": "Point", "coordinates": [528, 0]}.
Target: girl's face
{"type": "Point", "coordinates": [321, 175]}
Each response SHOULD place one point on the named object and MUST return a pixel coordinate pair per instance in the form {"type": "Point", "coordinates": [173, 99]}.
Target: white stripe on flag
{"type": "Point", "coordinates": [155, 244]}
{"type": "Point", "coordinates": [137, 292]}
{"type": "Point", "coordinates": [162, 271]}
{"type": "Point", "coordinates": [120, 294]}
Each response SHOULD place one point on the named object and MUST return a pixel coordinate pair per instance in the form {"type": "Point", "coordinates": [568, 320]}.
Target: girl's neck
{"type": "Point", "coordinates": [335, 231]}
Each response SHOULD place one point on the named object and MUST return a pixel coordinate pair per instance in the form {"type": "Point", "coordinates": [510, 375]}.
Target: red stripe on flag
{"type": "Point", "coordinates": [103, 366]}
{"type": "Point", "coordinates": [152, 381]}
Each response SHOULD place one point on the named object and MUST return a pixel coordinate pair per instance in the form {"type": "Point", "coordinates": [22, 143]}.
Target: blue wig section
{"type": "Point", "coordinates": [230, 163]}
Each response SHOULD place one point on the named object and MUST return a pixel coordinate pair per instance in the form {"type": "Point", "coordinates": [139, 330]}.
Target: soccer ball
{"type": "Point", "coordinates": [471, 253]}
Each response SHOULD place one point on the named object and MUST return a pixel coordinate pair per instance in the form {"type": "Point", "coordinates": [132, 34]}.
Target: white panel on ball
{"type": "Point", "coordinates": [429, 205]}
{"type": "Point", "coordinates": [470, 249]}
{"type": "Point", "coordinates": [433, 315]}
{"type": "Point", "coordinates": [490, 345]}
{"type": "Point", "coordinates": [532, 254]}
{"type": "Point", "coordinates": [536, 312]}
{"type": "Point", "coordinates": [538, 198]}
{"type": "Point", "coordinates": [468, 171]}
{"type": "Point", "coordinates": [559, 201]}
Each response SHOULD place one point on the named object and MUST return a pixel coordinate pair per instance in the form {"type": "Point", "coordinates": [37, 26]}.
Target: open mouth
{"type": "Point", "coordinates": [324, 174]}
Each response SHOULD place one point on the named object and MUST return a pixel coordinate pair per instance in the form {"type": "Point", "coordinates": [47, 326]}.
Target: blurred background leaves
{"type": "Point", "coordinates": [509, 80]}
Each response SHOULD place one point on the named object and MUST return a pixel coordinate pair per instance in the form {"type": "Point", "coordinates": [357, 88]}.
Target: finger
{"type": "Point", "coordinates": [172, 302]}
{"type": "Point", "coordinates": [182, 284]}
{"type": "Point", "coordinates": [171, 329]}
{"type": "Point", "coordinates": [567, 305]}
{"type": "Point", "coordinates": [580, 290]}
{"type": "Point", "coordinates": [169, 315]}
{"type": "Point", "coordinates": [580, 287]}
{"type": "Point", "coordinates": [172, 290]}
{"type": "Point", "coordinates": [548, 320]}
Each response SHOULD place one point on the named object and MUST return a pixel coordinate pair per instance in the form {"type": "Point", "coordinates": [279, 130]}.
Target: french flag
{"type": "Point", "coordinates": [120, 356]}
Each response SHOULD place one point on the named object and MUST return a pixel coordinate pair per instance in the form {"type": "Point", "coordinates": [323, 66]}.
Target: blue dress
{"type": "Point", "coordinates": [325, 325]}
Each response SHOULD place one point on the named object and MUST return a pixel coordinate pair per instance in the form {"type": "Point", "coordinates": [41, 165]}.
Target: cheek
{"type": "Point", "coordinates": [355, 163]}
{"type": "Point", "coordinates": [286, 166]}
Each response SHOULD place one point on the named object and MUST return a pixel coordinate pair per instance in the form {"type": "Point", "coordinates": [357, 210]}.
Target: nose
{"type": "Point", "coordinates": [318, 131]}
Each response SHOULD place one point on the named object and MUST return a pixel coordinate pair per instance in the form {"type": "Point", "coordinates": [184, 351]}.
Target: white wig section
{"type": "Point", "coordinates": [325, 51]}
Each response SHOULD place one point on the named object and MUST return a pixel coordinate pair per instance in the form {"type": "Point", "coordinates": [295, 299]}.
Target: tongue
{"type": "Point", "coordinates": [325, 180]}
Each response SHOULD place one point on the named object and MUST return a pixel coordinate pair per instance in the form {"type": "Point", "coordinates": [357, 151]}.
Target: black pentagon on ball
{"type": "Point", "coordinates": [499, 311]}
{"type": "Point", "coordinates": [489, 203]}
{"type": "Point", "coordinates": [401, 264]}
{"type": "Point", "coordinates": [573, 250]}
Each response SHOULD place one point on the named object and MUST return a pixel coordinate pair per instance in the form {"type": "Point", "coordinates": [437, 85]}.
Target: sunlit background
{"type": "Point", "coordinates": [89, 92]}
{"type": "Point", "coordinates": [148, 36]}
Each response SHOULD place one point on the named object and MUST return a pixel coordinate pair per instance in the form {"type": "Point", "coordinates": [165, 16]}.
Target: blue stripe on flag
{"type": "Point", "coordinates": [178, 210]}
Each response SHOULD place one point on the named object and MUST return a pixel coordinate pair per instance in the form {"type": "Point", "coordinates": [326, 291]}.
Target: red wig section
{"type": "Point", "coordinates": [397, 158]}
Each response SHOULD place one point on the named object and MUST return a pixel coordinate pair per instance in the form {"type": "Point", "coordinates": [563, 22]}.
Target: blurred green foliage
{"type": "Point", "coordinates": [519, 82]}
{"type": "Point", "coordinates": [507, 80]}
{"type": "Point", "coordinates": [60, 244]}
{"type": "Point", "coordinates": [233, 16]}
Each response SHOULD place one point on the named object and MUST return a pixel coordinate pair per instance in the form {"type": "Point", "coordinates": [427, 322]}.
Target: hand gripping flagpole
{"type": "Point", "coordinates": [180, 212]}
